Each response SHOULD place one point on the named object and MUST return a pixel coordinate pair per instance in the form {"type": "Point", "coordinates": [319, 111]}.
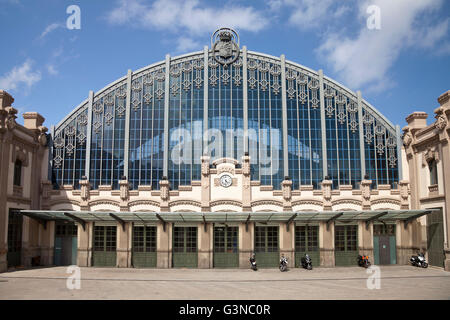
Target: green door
{"type": "Point", "coordinates": [346, 245]}
{"type": "Point", "coordinates": [267, 253]}
{"type": "Point", "coordinates": [435, 239]}
{"type": "Point", "coordinates": [14, 238]}
{"type": "Point", "coordinates": [307, 242]}
{"type": "Point", "coordinates": [104, 254]}
{"type": "Point", "coordinates": [384, 244]}
{"type": "Point", "coordinates": [144, 247]}
{"type": "Point", "coordinates": [184, 252]}
{"type": "Point", "coordinates": [65, 251]}
{"type": "Point", "coordinates": [226, 246]}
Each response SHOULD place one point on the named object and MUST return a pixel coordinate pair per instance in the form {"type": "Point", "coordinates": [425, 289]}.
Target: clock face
{"type": "Point", "coordinates": [225, 181]}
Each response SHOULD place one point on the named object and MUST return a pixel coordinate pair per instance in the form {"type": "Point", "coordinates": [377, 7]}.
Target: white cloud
{"type": "Point", "coordinates": [20, 75]}
{"type": "Point", "coordinates": [188, 44]}
{"type": "Point", "coordinates": [186, 17]}
{"type": "Point", "coordinates": [365, 60]}
{"type": "Point", "coordinates": [51, 69]}
{"type": "Point", "coordinates": [49, 29]}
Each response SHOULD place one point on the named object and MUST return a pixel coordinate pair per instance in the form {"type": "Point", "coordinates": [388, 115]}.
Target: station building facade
{"type": "Point", "coordinates": [202, 159]}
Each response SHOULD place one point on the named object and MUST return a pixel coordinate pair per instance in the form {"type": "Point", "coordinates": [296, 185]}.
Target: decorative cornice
{"type": "Point", "coordinates": [307, 202]}
{"type": "Point", "coordinates": [385, 200]}
{"type": "Point", "coordinates": [226, 202]}
{"type": "Point", "coordinates": [57, 201]}
{"type": "Point", "coordinates": [97, 202]}
{"type": "Point", "coordinates": [267, 202]}
{"type": "Point", "coordinates": [346, 201]}
{"type": "Point", "coordinates": [143, 202]}
{"type": "Point", "coordinates": [185, 202]}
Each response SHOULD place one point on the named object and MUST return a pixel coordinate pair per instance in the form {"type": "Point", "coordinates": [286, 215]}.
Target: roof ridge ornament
{"type": "Point", "coordinates": [225, 46]}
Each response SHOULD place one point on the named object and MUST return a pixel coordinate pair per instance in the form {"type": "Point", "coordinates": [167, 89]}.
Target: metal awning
{"type": "Point", "coordinates": [223, 217]}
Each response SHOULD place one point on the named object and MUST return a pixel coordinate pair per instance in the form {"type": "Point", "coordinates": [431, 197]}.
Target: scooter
{"type": "Point", "coordinates": [306, 262]}
{"type": "Point", "coordinates": [363, 261]}
{"type": "Point", "coordinates": [419, 260]}
{"type": "Point", "coordinates": [253, 263]}
{"type": "Point", "coordinates": [283, 264]}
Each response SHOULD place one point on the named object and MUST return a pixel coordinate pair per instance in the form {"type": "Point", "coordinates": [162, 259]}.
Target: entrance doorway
{"type": "Point", "coordinates": [267, 251]}
{"type": "Point", "coordinates": [15, 221]}
{"type": "Point", "coordinates": [226, 246]}
{"type": "Point", "coordinates": [144, 247]}
{"type": "Point", "coordinates": [346, 245]}
{"type": "Point", "coordinates": [307, 242]}
{"type": "Point", "coordinates": [384, 244]}
{"type": "Point", "coordinates": [105, 239]}
{"type": "Point", "coordinates": [435, 238]}
{"type": "Point", "coordinates": [185, 247]}
{"type": "Point", "coordinates": [65, 244]}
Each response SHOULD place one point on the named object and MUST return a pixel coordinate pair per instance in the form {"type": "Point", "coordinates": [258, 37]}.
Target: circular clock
{"type": "Point", "coordinates": [225, 181]}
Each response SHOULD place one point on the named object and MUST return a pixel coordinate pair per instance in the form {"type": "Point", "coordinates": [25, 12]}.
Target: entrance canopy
{"type": "Point", "coordinates": [223, 217]}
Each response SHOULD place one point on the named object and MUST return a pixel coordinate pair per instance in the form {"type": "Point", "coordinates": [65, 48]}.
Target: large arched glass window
{"type": "Point", "coordinates": [433, 172]}
{"type": "Point", "coordinates": [17, 172]}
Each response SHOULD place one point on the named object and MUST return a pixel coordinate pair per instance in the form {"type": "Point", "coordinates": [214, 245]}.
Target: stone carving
{"type": "Point", "coordinates": [407, 139]}
{"type": "Point", "coordinates": [430, 155]}
{"type": "Point", "coordinates": [287, 190]}
{"type": "Point", "coordinates": [441, 122]}
{"type": "Point", "coordinates": [205, 165]}
{"type": "Point", "coordinates": [225, 49]}
{"type": "Point", "coordinates": [85, 187]}
{"type": "Point", "coordinates": [164, 186]}
{"type": "Point", "coordinates": [124, 190]}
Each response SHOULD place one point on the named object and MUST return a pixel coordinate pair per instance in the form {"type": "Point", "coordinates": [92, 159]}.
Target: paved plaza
{"type": "Point", "coordinates": [397, 282]}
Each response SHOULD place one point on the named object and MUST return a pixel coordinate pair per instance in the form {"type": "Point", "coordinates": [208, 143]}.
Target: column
{"type": "Point", "coordinates": [246, 244]}
{"type": "Point", "coordinates": [205, 246]}
{"type": "Point", "coordinates": [127, 125]}
{"type": "Point", "coordinates": [365, 240]}
{"type": "Point", "coordinates": [124, 245]}
{"type": "Point", "coordinates": [326, 245]}
{"type": "Point", "coordinates": [287, 242]}
{"type": "Point", "coordinates": [164, 245]}
{"type": "Point", "coordinates": [84, 240]}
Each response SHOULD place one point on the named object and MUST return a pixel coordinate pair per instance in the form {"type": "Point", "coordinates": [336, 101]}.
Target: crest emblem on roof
{"type": "Point", "coordinates": [225, 46]}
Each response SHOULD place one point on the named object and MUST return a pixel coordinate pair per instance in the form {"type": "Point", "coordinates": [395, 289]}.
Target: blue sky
{"type": "Point", "coordinates": [400, 68]}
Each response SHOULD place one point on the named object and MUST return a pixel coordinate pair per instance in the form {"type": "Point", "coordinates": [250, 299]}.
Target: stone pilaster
{"type": "Point", "coordinates": [164, 245]}
{"type": "Point", "coordinates": [287, 242]}
{"type": "Point", "coordinates": [85, 188]}
{"type": "Point", "coordinates": [442, 124]}
{"type": "Point", "coordinates": [206, 184]}
{"type": "Point", "coordinates": [124, 194]}
{"type": "Point", "coordinates": [365, 240]}
{"type": "Point", "coordinates": [7, 123]}
{"type": "Point", "coordinates": [246, 244]}
{"type": "Point", "coordinates": [47, 243]}
{"type": "Point", "coordinates": [205, 248]}
{"type": "Point", "coordinates": [365, 194]}
{"type": "Point", "coordinates": [84, 258]}
{"type": "Point", "coordinates": [246, 186]}
{"type": "Point", "coordinates": [326, 244]}
{"type": "Point", "coordinates": [326, 193]}
{"type": "Point", "coordinates": [164, 187]}
{"type": "Point", "coordinates": [124, 245]}
{"type": "Point", "coordinates": [286, 187]}
{"type": "Point", "coordinates": [404, 194]}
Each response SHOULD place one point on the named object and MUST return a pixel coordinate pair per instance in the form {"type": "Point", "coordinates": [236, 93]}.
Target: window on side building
{"type": "Point", "coordinates": [17, 173]}
{"type": "Point", "coordinates": [433, 172]}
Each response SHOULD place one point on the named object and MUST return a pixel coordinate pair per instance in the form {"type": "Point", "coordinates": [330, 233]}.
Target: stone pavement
{"type": "Point", "coordinates": [397, 282]}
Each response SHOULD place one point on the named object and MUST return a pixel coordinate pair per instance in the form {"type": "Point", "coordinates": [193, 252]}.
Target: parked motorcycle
{"type": "Point", "coordinates": [283, 264]}
{"type": "Point", "coordinates": [363, 261]}
{"type": "Point", "coordinates": [253, 263]}
{"type": "Point", "coordinates": [419, 260]}
{"type": "Point", "coordinates": [306, 262]}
